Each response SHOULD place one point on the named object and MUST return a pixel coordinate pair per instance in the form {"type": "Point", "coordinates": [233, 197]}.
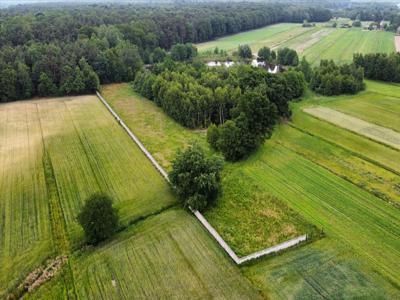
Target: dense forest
{"type": "Point", "coordinates": [50, 51]}
{"type": "Point", "coordinates": [379, 66]}
{"type": "Point", "coordinates": [245, 102]}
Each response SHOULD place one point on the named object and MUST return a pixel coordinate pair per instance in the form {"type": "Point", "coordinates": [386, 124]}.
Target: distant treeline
{"type": "Point", "coordinates": [48, 51]}
{"type": "Point", "coordinates": [379, 66]}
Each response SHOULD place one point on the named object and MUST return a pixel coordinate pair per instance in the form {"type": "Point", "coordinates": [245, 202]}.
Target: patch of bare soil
{"type": "Point", "coordinates": [38, 277]}
{"type": "Point", "coordinates": [397, 42]}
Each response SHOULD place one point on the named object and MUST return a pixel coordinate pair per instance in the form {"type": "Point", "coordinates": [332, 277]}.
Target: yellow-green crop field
{"type": "Point", "coordinates": [315, 43]}
{"type": "Point", "coordinates": [166, 256]}
{"type": "Point", "coordinates": [53, 154]}
{"type": "Point", "coordinates": [310, 173]}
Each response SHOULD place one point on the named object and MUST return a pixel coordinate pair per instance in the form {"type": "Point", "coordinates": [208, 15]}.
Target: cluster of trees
{"type": "Point", "coordinates": [379, 66]}
{"type": "Point", "coordinates": [196, 178]}
{"type": "Point", "coordinates": [245, 101]}
{"type": "Point", "coordinates": [331, 79]}
{"type": "Point", "coordinates": [43, 49]}
{"type": "Point", "coordinates": [284, 56]}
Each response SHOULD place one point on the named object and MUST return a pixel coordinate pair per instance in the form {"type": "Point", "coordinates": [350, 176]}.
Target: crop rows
{"type": "Point", "coordinates": [343, 163]}
{"type": "Point", "coordinates": [53, 154]}
{"type": "Point", "coordinates": [25, 236]}
{"type": "Point", "coordinates": [169, 255]}
{"type": "Point", "coordinates": [341, 44]}
{"type": "Point", "coordinates": [369, 130]}
{"type": "Point", "coordinates": [371, 107]}
{"type": "Point", "coordinates": [342, 209]}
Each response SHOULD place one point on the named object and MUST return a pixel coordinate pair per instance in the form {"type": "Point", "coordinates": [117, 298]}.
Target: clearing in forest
{"type": "Point", "coordinates": [53, 154]}
{"type": "Point", "coordinates": [372, 131]}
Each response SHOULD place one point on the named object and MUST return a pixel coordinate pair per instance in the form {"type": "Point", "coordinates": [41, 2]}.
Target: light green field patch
{"type": "Point", "coordinates": [270, 36]}
{"type": "Point", "coordinates": [325, 269]}
{"type": "Point", "coordinates": [372, 131]}
{"type": "Point", "coordinates": [343, 43]}
{"type": "Point", "coordinates": [166, 256]}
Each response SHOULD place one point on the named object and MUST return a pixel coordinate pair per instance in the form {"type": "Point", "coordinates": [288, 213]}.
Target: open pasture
{"type": "Point", "coordinates": [166, 256]}
{"type": "Point", "coordinates": [369, 130]}
{"type": "Point", "coordinates": [53, 154]}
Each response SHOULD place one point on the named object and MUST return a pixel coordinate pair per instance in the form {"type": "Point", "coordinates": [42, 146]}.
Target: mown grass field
{"type": "Point", "coordinates": [246, 215]}
{"type": "Point", "coordinates": [315, 43]}
{"type": "Point", "coordinates": [166, 256]}
{"type": "Point", "coordinates": [342, 43]}
{"type": "Point", "coordinates": [54, 153]}
{"type": "Point", "coordinates": [371, 106]}
{"type": "Point", "coordinates": [327, 176]}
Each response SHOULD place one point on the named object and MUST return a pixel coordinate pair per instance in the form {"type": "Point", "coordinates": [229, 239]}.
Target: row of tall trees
{"type": "Point", "coordinates": [331, 79]}
{"type": "Point", "coordinates": [379, 66]}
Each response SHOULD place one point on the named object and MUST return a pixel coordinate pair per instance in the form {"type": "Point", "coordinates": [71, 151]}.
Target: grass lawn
{"type": "Point", "coordinates": [166, 256]}
{"type": "Point", "coordinates": [54, 153]}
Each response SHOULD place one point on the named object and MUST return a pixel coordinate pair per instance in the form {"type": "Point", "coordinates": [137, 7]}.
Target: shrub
{"type": "Point", "coordinates": [98, 218]}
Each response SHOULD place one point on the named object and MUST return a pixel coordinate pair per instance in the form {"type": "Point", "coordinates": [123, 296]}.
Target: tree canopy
{"type": "Point", "coordinates": [98, 218]}
{"type": "Point", "coordinates": [196, 177]}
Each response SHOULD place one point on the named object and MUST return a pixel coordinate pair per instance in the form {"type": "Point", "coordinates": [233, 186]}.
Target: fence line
{"type": "Point", "coordinates": [134, 138]}
{"type": "Point", "coordinates": [198, 215]}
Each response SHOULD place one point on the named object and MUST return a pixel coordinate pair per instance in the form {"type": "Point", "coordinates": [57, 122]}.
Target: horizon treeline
{"type": "Point", "coordinates": [50, 51]}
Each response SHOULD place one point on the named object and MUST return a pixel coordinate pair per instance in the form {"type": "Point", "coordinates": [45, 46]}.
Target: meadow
{"type": "Point", "coordinates": [315, 43]}
{"type": "Point", "coordinates": [316, 173]}
{"type": "Point", "coordinates": [246, 215]}
{"type": "Point", "coordinates": [54, 153]}
{"type": "Point", "coordinates": [168, 255]}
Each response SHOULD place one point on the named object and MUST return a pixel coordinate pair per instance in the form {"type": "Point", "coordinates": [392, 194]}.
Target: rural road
{"type": "Point", "coordinates": [397, 42]}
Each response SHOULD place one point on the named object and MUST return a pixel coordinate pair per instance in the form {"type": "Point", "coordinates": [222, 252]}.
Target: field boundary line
{"type": "Point", "coordinates": [370, 137]}
{"type": "Point", "coordinates": [197, 214]}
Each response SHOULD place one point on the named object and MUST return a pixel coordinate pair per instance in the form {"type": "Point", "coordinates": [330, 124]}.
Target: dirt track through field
{"type": "Point", "coordinates": [378, 133]}
{"type": "Point", "coordinates": [397, 42]}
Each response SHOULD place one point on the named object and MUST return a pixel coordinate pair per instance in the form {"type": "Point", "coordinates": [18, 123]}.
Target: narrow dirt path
{"type": "Point", "coordinates": [397, 42]}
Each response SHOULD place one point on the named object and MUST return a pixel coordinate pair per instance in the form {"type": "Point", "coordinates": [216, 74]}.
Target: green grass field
{"type": "Point", "coordinates": [327, 176]}
{"type": "Point", "coordinates": [315, 43]}
{"type": "Point", "coordinates": [325, 269]}
{"type": "Point", "coordinates": [246, 215]}
{"type": "Point", "coordinates": [54, 153]}
{"type": "Point", "coordinates": [166, 256]}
